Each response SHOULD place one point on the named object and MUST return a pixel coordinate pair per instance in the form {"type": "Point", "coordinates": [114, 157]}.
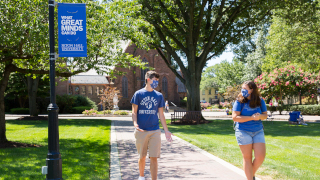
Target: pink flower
{"type": "Point", "coordinates": [289, 61]}
{"type": "Point", "coordinates": [297, 84]}
{"type": "Point", "coordinates": [287, 74]}
{"type": "Point", "coordinates": [287, 83]}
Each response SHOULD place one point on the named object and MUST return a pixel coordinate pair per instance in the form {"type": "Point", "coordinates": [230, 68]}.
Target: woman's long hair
{"type": "Point", "coordinates": [255, 100]}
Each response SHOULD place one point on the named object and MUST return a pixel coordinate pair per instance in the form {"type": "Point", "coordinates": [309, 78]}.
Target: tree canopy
{"type": "Point", "coordinates": [189, 33]}
{"type": "Point", "coordinates": [24, 43]}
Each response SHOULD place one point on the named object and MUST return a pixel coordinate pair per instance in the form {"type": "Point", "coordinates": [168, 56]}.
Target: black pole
{"type": "Point", "coordinates": [54, 162]}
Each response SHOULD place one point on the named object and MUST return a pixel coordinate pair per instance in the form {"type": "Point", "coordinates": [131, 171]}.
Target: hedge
{"type": "Point", "coordinates": [304, 109]}
{"type": "Point", "coordinates": [20, 110]}
{"type": "Point", "coordinates": [80, 109]}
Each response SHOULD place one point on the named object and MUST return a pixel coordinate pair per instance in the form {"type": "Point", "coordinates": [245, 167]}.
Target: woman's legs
{"type": "Point", "coordinates": [246, 151]}
{"type": "Point", "coordinates": [259, 155]}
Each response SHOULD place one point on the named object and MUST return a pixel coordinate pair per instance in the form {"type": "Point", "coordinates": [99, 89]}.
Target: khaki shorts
{"type": "Point", "coordinates": [148, 140]}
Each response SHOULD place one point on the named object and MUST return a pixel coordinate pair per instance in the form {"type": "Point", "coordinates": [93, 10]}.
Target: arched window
{"type": "Point", "coordinates": [143, 72]}
{"type": "Point", "coordinates": [125, 87]}
{"type": "Point", "coordinates": [83, 90]}
{"type": "Point", "coordinates": [70, 90]}
{"type": "Point", "coordinates": [76, 89]}
{"type": "Point", "coordinates": [90, 90]}
{"type": "Point", "coordinates": [165, 86]}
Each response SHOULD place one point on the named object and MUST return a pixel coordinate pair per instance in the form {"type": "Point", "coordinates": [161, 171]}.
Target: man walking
{"type": "Point", "coordinates": [146, 103]}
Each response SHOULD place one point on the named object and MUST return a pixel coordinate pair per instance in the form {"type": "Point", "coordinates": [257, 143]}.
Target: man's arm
{"type": "Point", "coordinates": [134, 117]}
{"type": "Point", "coordinates": [164, 125]}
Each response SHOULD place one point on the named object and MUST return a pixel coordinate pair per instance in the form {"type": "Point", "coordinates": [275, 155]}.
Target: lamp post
{"type": "Point", "coordinates": [53, 161]}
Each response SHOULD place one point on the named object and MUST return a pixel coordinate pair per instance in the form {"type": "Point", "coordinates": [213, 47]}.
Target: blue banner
{"type": "Point", "coordinates": [72, 39]}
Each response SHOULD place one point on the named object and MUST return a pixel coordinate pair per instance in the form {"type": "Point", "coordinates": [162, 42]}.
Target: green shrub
{"type": "Point", "coordinates": [65, 103]}
{"type": "Point", "coordinates": [107, 112]}
{"type": "Point", "coordinates": [85, 101]}
{"type": "Point", "coordinates": [20, 110]}
{"type": "Point", "coordinates": [271, 108]}
{"type": "Point", "coordinates": [121, 113]}
{"type": "Point", "coordinates": [209, 107]}
{"type": "Point", "coordinates": [306, 109]}
{"type": "Point", "coordinates": [80, 109]}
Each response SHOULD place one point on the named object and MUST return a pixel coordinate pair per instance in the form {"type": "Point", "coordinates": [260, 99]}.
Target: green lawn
{"type": "Point", "coordinates": [293, 152]}
{"type": "Point", "coordinates": [84, 148]}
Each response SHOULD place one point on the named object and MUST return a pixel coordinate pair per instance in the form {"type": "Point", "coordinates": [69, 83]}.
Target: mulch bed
{"type": "Point", "coordinates": [37, 118]}
{"type": "Point", "coordinates": [10, 144]}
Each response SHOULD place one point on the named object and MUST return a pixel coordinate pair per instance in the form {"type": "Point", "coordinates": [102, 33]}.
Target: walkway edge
{"type": "Point", "coordinates": [115, 173]}
{"type": "Point", "coordinates": [215, 158]}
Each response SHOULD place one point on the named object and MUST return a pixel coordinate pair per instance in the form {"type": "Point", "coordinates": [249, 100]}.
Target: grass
{"type": "Point", "coordinates": [293, 152]}
{"type": "Point", "coordinates": [84, 148]}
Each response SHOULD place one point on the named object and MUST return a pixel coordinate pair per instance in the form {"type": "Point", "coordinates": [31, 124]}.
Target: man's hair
{"type": "Point", "coordinates": [151, 74]}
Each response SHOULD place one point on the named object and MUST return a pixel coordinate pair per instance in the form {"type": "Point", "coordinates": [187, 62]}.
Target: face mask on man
{"type": "Point", "coordinates": [154, 84]}
{"type": "Point", "coordinates": [245, 93]}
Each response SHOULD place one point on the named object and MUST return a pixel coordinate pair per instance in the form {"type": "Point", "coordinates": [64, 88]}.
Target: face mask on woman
{"type": "Point", "coordinates": [154, 84]}
{"type": "Point", "coordinates": [245, 93]}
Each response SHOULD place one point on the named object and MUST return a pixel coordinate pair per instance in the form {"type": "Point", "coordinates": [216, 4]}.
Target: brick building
{"type": "Point", "coordinates": [88, 84]}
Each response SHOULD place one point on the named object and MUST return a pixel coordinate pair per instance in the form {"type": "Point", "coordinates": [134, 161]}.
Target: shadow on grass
{"type": "Point", "coordinates": [62, 122]}
{"type": "Point", "coordinates": [225, 127]}
{"type": "Point", "coordinates": [81, 158]}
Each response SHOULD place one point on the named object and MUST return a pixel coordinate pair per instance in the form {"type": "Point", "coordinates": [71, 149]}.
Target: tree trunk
{"type": "Point", "coordinates": [300, 98]}
{"type": "Point", "coordinates": [193, 93]}
{"type": "Point", "coordinates": [32, 92]}
{"type": "Point", "coordinates": [3, 84]}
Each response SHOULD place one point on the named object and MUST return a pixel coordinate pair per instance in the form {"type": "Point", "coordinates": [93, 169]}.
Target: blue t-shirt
{"type": "Point", "coordinates": [148, 103]}
{"type": "Point", "coordinates": [251, 126]}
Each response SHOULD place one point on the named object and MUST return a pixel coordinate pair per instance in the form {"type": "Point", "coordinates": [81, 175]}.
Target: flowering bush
{"type": "Point", "coordinates": [90, 112]}
{"type": "Point", "coordinates": [286, 82]}
{"type": "Point", "coordinates": [205, 105]}
{"type": "Point", "coordinates": [226, 105]}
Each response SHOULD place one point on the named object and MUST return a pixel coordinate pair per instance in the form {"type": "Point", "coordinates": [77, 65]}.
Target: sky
{"type": "Point", "coordinates": [227, 55]}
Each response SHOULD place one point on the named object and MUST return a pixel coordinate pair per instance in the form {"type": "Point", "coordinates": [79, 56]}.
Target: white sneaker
{"type": "Point", "coordinates": [141, 178]}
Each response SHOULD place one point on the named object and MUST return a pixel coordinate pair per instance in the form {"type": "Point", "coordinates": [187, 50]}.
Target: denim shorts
{"type": "Point", "coordinates": [246, 137]}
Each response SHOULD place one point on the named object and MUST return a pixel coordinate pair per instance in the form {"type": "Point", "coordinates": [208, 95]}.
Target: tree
{"type": "Point", "coordinates": [106, 96]}
{"type": "Point", "coordinates": [254, 60]}
{"type": "Point", "coordinates": [24, 44]}
{"type": "Point", "coordinates": [287, 82]}
{"type": "Point", "coordinates": [225, 74]}
{"type": "Point", "coordinates": [231, 93]}
{"type": "Point", "coordinates": [294, 36]}
{"type": "Point", "coordinates": [190, 33]}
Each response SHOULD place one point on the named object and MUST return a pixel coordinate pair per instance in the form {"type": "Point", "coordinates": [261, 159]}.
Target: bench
{"type": "Point", "coordinates": [186, 117]}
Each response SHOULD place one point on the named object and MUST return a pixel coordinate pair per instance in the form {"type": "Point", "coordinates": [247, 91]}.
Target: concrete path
{"type": "Point", "coordinates": [179, 160]}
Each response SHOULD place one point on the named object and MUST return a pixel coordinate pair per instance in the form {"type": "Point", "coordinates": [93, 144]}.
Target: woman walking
{"type": "Point", "coordinates": [248, 112]}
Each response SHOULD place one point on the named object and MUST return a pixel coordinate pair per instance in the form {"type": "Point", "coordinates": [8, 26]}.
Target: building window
{"type": "Point", "coordinates": [165, 86]}
{"type": "Point", "coordinates": [210, 100]}
{"type": "Point", "coordinates": [70, 90]}
{"type": "Point", "coordinates": [90, 90]}
{"type": "Point", "coordinates": [203, 92]}
{"type": "Point", "coordinates": [83, 90]}
{"type": "Point", "coordinates": [209, 91]}
{"type": "Point", "coordinates": [217, 92]}
{"type": "Point", "coordinates": [216, 97]}
{"type": "Point", "coordinates": [97, 90]}
{"type": "Point", "coordinates": [76, 89]}
{"type": "Point", "coordinates": [125, 87]}
{"type": "Point", "coordinates": [143, 72]}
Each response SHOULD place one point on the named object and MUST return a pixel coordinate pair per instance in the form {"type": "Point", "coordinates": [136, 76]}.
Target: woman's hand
{"type": "Point", "coordinates": [256, 116]}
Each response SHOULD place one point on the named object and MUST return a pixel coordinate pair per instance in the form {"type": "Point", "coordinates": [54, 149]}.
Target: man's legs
{"type": "Point", "coordinates": [154, 167]}
{"type": "Point", "coordinates": [142, 164]}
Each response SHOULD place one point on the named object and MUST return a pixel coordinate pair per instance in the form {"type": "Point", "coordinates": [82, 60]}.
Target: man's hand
{"type": "Point", "coordinates": [168, 136]}
{"type": "Point", "coordinates": [256, 116]}
{"type": "Point", "coordinates": [137, 127]}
